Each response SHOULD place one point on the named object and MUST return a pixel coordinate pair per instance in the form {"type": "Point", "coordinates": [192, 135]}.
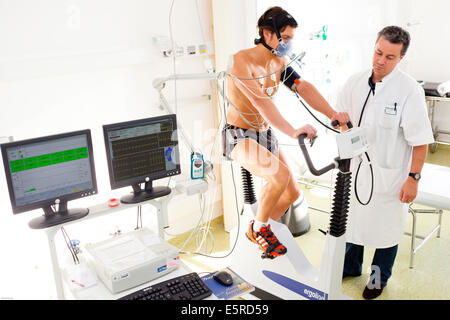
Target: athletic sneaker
{"type": "Point", "coordinates": [266, 240]}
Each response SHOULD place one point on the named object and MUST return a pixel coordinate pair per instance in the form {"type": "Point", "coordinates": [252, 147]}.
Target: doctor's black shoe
{"type": "Point", "coordinates": [373, 293]}
{"type": "Point", "coordinates": [348, 275]}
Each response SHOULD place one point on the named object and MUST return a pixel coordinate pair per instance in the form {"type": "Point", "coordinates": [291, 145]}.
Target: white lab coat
{"type": "Point", "coordinates": [396, 119]}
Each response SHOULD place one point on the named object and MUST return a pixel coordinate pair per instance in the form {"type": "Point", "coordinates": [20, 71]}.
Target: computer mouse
{"type": "Point", "coordinates": [223, 278]}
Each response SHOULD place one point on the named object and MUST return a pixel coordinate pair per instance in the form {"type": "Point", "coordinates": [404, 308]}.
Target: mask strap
{"type": "Point", "coordinates": [265, 45]}
{"type": "Point", "coordinates": [280, 40]}
{"type": "Point", "coordinates": [276, 29]}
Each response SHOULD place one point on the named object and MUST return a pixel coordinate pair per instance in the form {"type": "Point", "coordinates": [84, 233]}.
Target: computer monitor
{"type": "Point", "coordinates": [142, 151]}
{"type": "Point", "coordinates": [48, 172]}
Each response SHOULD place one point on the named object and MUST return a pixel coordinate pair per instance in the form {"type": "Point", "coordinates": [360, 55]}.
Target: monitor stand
{"type": "Point", "coordinates": [52, 218]}
{"type": "Point", "coordinates": [149, 192]}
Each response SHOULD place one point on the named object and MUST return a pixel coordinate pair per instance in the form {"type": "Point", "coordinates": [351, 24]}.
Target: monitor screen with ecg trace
{"type": "Point", "coordinates": [142, 151]}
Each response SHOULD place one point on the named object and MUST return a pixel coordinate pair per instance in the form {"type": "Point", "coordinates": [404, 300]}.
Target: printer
{"type": "Point", "coordinates": [131, 259]}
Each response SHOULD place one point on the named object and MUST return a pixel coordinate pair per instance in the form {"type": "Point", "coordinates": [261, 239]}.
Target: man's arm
{"type": "Point", "coordinates": [313, 97]}
{"type": "Point", "coordinates": [409, 189]}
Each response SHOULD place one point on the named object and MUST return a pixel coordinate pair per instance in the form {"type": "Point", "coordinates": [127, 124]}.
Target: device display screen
{"type": "Point", "coordinates": [49, 169]}
{"type": "Point", "coordinates": [356, 139]}
{"type": "Point", "coordinates": [142, 149]}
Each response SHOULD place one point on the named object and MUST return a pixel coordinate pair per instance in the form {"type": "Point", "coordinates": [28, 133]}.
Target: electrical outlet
{"type": "Point", "coordinates": [191, 50]}
{"type": "Point", "coordinates": [202, 49]}
{"type": "Point", "coordinates": [180, 51]}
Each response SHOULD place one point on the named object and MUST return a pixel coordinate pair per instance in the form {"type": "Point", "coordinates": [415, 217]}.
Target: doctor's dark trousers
{"type": "Point", "coordinates": [383, 258]}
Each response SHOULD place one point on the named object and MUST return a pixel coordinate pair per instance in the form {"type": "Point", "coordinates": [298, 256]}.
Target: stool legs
{"type": "Point", "coordinates": [413, 234]}
{"type": "Point", "coordinates": [440, 223]}
{"type": "Point", "coordinates": [413, 238]}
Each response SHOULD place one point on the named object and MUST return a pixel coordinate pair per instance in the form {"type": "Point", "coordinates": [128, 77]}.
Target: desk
{"type": "Point", "coordinates": [100, 292]}
{"type": "Point", "coordinates": [431, 103]}
{"type": "Point", "coordinates": [100, 210]}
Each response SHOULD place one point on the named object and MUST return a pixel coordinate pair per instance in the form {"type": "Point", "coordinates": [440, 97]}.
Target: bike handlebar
{"type": "Point", "coordinates": [312, 169]}
{"type": "Point", "coordinates": [336, 123]}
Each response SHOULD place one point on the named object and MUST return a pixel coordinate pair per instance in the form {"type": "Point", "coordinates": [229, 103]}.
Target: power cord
{"type": "Point", "coordinates": [237, 209]}
{"type": "Point", "coordinates": [238, 226]}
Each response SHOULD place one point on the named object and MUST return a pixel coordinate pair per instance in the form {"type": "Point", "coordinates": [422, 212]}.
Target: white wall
{"type": "Point", "coordinates": [234, 23]}
{"type": "Point", "coordinates": [429, 25]}
{"type": "Point", "coordinates": [352, 30]}
{"type": "Point", "coordinates": [352, 27]}
{"type": "Point", "coordinates": [70, 65]}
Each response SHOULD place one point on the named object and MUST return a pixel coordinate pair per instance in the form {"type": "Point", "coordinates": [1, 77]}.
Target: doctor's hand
{"type": "Point", "coordinates": [309, 130]}
{"type": "Point", "coordinates": [408, 192]}
{"type": "Point", "coordinates": [342, 117]}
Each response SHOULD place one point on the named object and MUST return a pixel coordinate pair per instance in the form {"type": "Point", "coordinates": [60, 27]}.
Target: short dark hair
{"type": "Point", "coordinates": [282, 20]}
{"type": "Point", "coordinates": [396, 35]}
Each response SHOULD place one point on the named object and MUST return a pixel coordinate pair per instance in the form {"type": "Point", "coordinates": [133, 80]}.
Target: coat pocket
{"type": "Point", "coordinates": [389, 118]}
{"type": "Point", "coordinates": [388, 181]}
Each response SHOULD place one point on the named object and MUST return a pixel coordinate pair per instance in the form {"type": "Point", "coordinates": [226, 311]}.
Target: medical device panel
{"type": "Point", "coordinates": [352, 143]}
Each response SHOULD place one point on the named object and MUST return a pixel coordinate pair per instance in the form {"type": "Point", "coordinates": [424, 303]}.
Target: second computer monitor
{"type": "Point", "coordinates": [142, 151]}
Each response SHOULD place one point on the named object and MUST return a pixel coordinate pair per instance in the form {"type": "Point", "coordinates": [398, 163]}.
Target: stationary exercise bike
{"type": "Point", "coordinates": [296, 218]}
{"type": "Point", "coordinates": [292, 275]}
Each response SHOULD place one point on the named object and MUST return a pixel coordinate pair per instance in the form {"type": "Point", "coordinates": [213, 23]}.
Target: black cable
{"type": "Point", "coordinates": [368, 159]}
{"type": "Point", "coordinates": [356, 181]}
{"type": "Point", "coordinates": [298, 97]}
{"type": "Point", "coordinates": [372, 89]}
{"type": "Point", "coordinates": [364, 107]}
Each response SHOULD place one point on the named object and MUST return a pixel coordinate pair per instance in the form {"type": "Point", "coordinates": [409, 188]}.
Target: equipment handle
{"type": "Point", "coordinates": [314, 171]}
{"type": "Point", "coordinates": [336, 123]}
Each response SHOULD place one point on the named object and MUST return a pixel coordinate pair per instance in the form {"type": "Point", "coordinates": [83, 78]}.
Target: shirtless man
{"type": "Point", "coordinates": [248, 138]}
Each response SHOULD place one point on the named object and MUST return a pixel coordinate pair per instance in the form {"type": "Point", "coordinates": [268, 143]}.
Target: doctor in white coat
{"type": "Point", "coordinates": [391, 105]}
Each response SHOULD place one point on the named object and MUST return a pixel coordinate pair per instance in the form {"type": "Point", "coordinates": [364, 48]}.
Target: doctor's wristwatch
{"type": "Point", "coordinates": [415, 176]}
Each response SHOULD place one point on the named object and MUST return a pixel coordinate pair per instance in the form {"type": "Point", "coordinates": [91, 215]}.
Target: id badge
{"type": "Point", "coordinates": [391, 110]}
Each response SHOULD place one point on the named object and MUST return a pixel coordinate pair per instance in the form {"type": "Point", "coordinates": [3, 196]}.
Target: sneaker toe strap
{"type": "Point", "coordinates": [273, 246]}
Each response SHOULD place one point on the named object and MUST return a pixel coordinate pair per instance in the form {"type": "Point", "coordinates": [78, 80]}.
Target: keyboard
{"type": "Point", "coordinates": [186, 287]}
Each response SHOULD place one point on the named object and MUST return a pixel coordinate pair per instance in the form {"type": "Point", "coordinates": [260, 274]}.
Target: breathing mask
{"type": "Point", "coordinates": [283, 48]}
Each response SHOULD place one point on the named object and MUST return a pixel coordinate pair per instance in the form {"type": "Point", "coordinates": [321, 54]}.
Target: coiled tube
{"type": "Point", "coordinates": [247, 186]}
{"type": "Point", "coordinates": [338, 221]}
